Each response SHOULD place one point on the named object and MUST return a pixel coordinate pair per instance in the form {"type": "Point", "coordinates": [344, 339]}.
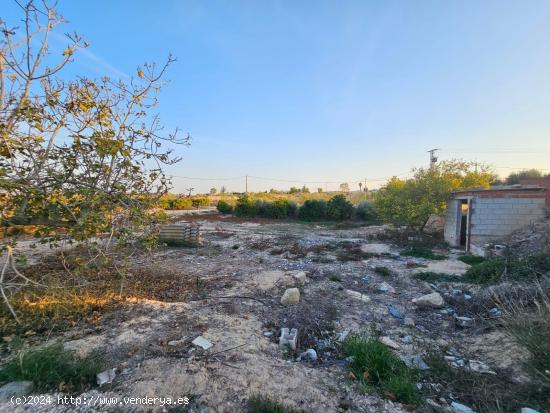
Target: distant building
{"type": "Point", "coordinates": [475, 217]}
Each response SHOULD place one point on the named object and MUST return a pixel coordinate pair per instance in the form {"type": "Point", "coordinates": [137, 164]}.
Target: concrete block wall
{"type": "Point", "coordinates": [493, 218]}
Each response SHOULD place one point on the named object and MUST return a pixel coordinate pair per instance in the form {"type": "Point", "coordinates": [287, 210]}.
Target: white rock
{"type": "Point", "coordinates": [200, 341]}
{"type": "Point", "coordinates": [458, 407]}
{"type": "Point", "coordinates": [386, 288]}
{"type": "Point", "coordinates": [375, 248]}
{"type": "Point", "coordinates": [480, 367]}
{"type": "Point", "coordinates": [389, 342]}
{"type": "Point", "coordinates": [309, 354]}
{"type": "Point", "coordinates": [528, 410]}
{"type": "Point", "coordinates": [299, 276]}
{"type": "Point", "coordinates": [291, 296]}
{"type": "Point", "coordinates": [358, 296]}
{"type": "Point", "coordinates": [105, 377]}
{"type": "Point", "coordinates": [434, 300]}
{"type": "Point", "coordinates": [408, 321]}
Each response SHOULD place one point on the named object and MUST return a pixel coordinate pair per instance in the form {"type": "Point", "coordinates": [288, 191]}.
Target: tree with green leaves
{"type": "Point", "coordinates": [81, 154]}
{"type": "Point", "coordinates": [412, 201]}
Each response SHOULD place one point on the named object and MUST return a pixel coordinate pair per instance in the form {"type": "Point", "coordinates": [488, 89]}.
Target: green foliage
{"type": "Point", "coordinates": [366, 211]}
{"type": "Point", "coordinates": [339, 208]}
{"type": "Point", "coordinates": [374, 364]}
{"type": "Point", "coordinates": [511, 267]}
{"type": "Point", "coordinates": [277, 210]}
{"type": "Point", "coordinates": [198, 202]}
{"type": "Point", "coordinates": [412, 201]}
{"type": "Point", "coordinates": [313, 210]}
{"type": "Point", "coordinates": [471, 259]}
{"type": "Point", "coordinates": [422, 252]}
{"type": "Point", "coordinates": [515, 177]}
{"type": "Point", "coordinates": [263, 404]}
{"type": "Point", "coordinates": [245, 207]}
{"type": "Point", "coordinates": [50, 367]}
{"type": "Point", "coordinates": [224, 207]}
{"type": "Point", "coordinates": [175, 203]}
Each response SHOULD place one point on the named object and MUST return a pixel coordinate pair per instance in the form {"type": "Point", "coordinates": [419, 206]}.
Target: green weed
{"type": "Point", "coordinates": [422, 252]}
{"type": "Point", "coordinates": [52, 368]}
{"type": "Point", "coordinates": [263, 404]}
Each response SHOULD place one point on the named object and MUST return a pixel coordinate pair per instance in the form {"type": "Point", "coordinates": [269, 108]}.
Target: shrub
{"type": "Point", "coordinates": [512, 267]}
{"type": "Point", "coordinates": [245, 207]}
{"type": "Point", "coordinates": [50, 367]}
{"type": "Point", "coordinates": [224, 207]}
{"type": "Point", "coordinates": [312, 210]}
{"type": "Point", "coordinates": [384, 271]}
{"type": "Point", "coordinates": [278, 209]}
{"type": "Point", "coordinates": [339, 208]}
{"type": "Point", "coordinates": [198, 202]}
{"type": "Point", "coordinates": [374, 364]}
{"type": "Point", "coordinates": [366, 211]}
{"type": "Point", "coordinates": [471, 259]}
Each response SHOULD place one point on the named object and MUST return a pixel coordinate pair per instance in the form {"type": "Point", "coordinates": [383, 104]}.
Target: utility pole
{"type": "Point", "coordinates": [246, 184]}
{"type": "Point", "coordinates": [433, 158]}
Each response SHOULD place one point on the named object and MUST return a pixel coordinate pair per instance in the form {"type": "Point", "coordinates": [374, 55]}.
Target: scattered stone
{"type": "Point", "coordinates": [406, 340]}
{"type": "Point", "coordinates": [377, 249]}
{"type": "Point", "coordinates": [464, 321]}
{"type": "Point", "coordinates": [175, 343]}
{"type": "Point", "coordinates": [434, 300]}
{"type": "Point", "coordinates": [495, 312]}
{"type": "Point", "coordinates": [386, 288]}
{"type": "Point", "coordinates": [288, 338]}
{"type": "Point", "coordinates": [418, 362]}
{"type": "Point", "coordinates": [467, 297]}
{"type": "Point", "coordinates": [389, 342]}
{"type": "Point", "coordinates": [299, 276]}
{"type": "Point", "coordinates": [309, 354]}
{"type": "Point", "coordinates": [268, 333]}
{"type": "Point", "coordinates": [291, 296]}
{"type": "Point", "coordinates": [342, 336]}
{"type": "Point", "coordinates": [458, 407]}
{"type": "Point", "coordinates": [394, 311]}
{"type": "Point", "coordinates": [200, 341]}
{"type": "Point", "coordinates": [409, 322]}
{"type": "Point", "coordinates": [15, 389]}
{"type": "Point", "coordinates": [480, 367]}
{"type": "Point", "coordinates": [358, 296]}
{"type": "Point", "coordinates": [105, 377]}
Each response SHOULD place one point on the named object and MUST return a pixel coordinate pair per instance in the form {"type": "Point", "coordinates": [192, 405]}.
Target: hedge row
{"type": "Point", "coordinates": [183, 203]}
{"type": "Point", "coordinates": [337, 208]}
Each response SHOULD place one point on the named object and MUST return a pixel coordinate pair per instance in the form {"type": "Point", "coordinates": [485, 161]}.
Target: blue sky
{"type": "Point", "coordinates": [332, 91]}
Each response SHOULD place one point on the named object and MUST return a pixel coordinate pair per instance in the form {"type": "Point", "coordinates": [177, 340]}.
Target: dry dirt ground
{"type": "Point", "coordinates": [239, 276]}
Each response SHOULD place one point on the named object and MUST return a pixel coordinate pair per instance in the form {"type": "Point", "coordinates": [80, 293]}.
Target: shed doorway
{"type": "Point", "coordinates": [464, 221]}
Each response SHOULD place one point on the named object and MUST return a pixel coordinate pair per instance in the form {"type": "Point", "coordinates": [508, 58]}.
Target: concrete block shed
{"type": "Point", "coordinates": [476, 217]}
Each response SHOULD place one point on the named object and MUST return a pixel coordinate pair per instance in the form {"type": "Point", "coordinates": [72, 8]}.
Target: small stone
{"type": "Point", "coordinates": [174, 343]}
{"type": "Point", "coordinates": [528, 410]}
{"type": "Point", "coordinates": [15, 389]}
{"type": "Point", "coordinates": [389, 342]}
{"type": "Point", "coordinates": [268, 333]}
{"type": "Point", "coordinates": [434, 300]}
{"type": "Point", "coordinates": [409, 322]}
{"type": "Point", "coordinates": [309, 354]}
{"type": "Point", "coordinates": [358, 296]}
{"type": "Point", "coordinates": [288, 338]}
{"type": "Point", "coordinates": [394, 311]}
{"type": "Point", "coordinates": [105, 377]}
{"type": "Point", "coordinates": [480, 367]}
{"type": "Point", "coordinates": [386, 288]}
{"type": "Point", "coordinates": [342, 336]}
{"type": "Point", "coordinates": [406, 340]}
{"type": "Point", "coordinates": [291, 296]}
{"type": "Point", "coordinates": [464, 321]}
{"type": "Point", "coordinates": [200, 341]}
{"type": "Point", "coordinates": [460, 408]}
{"type": "Point", "coordinates": [299, 276]}
{"type": "Point", "coordinates": [495, 312]}
{"type": "Point", "coordinates": [467, 297]}
{"type": "Point", "coordinates": [419, 363]}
